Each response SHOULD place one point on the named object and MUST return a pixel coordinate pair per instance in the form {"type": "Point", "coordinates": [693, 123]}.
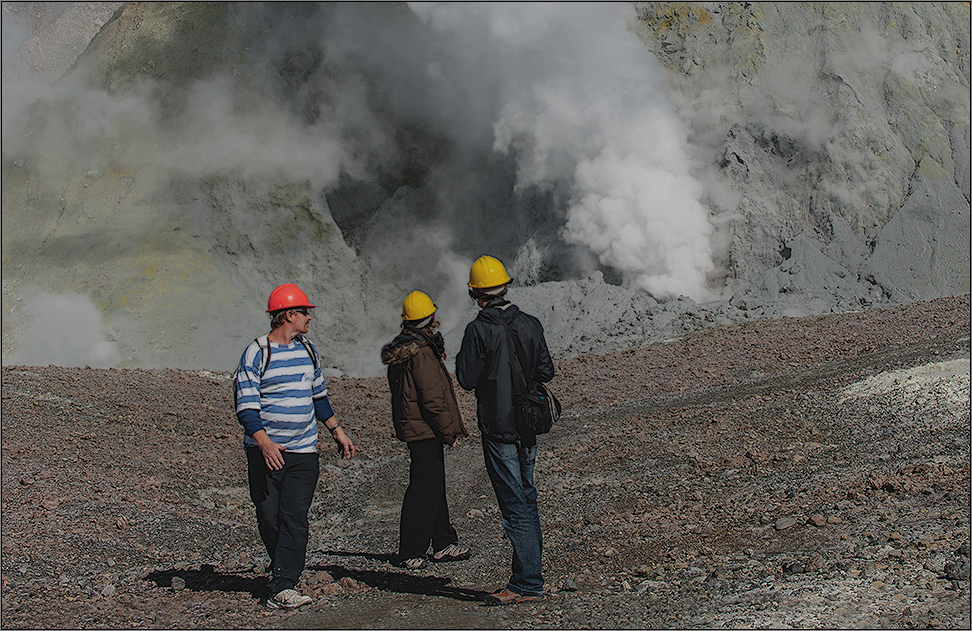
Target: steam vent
{"type": "Point", "coordinates": [643, 169]}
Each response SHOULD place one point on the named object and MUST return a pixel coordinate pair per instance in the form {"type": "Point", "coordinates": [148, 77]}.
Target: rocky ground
{"type": "Point", "coordinates": [785, 473]}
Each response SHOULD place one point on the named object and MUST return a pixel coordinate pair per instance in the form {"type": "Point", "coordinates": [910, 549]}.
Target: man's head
{"type": "Point", "coordinates": [289, 306]}
{"type": "Point", "coordinates": [298, 319]}
{"type": "Point", "coordinates": [488, 278]}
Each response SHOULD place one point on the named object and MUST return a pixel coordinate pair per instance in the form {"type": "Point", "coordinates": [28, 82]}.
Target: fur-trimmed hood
{"type": "Point", "coordinates": [401, 349]}
{"type": "Point", "coordinates": [407, 343]}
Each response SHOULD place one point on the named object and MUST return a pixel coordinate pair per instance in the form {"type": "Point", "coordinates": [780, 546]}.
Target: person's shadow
{"type": "Point", "coordinates": [207, 579]}
{"type": "Point", "coordinates": [401, 582]}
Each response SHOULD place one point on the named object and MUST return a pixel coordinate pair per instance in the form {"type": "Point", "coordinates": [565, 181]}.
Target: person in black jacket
{"type": "Point", "coordinates": [510, 450]}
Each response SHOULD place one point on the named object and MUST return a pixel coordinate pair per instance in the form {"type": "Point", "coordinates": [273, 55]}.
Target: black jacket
{"type": "Point", "coordinates": [483, 365]}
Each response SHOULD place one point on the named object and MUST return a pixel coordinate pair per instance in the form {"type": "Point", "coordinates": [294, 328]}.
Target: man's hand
{"type": "Point", "coordinates": [454, 444]}
{"type": "Point", "coordinates": [271, 450]}
{"type": "Point", "coordinates": [345, 446]}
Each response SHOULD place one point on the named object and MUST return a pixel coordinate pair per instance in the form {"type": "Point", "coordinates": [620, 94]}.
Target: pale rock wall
{"type": "Point", "coordinates": [179, 260]}
{"type": "Point", "coordinates": [832, 141]}
{"type": "Point", "coordinates": [838, 127]}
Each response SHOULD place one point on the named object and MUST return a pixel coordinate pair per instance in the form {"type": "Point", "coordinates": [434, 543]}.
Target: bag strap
{"type": "Point", "coordinates": [309, 347]}
{"type": "Point", "coordinates": [526, 376]}
{"type": "Point", "coordinates": [264, 343]}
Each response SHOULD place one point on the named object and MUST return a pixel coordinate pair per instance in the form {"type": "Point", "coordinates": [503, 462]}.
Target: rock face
{"type": "Point", "coordinates": [844, 141]}
{"type": "Point", "coordinates": [642, 174]}
{"type": "Point", "coordinates": [44, 38]}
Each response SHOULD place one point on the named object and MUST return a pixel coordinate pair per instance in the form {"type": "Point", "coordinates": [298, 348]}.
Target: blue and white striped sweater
{"type": "Point", "coordinates": [285, 394]}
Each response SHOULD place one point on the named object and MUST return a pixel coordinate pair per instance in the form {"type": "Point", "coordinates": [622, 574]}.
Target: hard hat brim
{"type": "Point", "coordinates": [490, 288]}
{"type": "Point", "coordinates": [307, 306]}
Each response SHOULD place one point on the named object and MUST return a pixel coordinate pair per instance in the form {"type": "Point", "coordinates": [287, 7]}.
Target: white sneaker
{"type": "Point", "coordinates": [415, 564]}
{"type": "Point", "coordinates": [288, 599]}
{"type": "Point", "coordinates": [452, 552]}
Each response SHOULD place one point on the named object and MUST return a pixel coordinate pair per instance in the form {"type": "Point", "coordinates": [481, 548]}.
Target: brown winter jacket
{"type": "Point", "coordinates": [423, 400]}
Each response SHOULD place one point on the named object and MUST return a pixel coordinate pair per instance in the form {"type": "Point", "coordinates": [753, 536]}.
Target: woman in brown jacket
{"type": "Point", "coordinates": [426, 417]}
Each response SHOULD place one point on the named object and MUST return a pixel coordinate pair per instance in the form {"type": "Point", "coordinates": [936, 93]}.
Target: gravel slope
{"type": "Point", "coordinates": [786, 473]}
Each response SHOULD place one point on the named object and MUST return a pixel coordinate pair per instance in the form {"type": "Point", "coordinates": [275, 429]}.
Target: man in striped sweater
{"type": "Point", "coordinates": [280, 395]}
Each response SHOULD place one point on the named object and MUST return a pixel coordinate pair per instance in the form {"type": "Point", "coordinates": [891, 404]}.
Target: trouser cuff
{"type": "Point", "coordinates": [277, 585]}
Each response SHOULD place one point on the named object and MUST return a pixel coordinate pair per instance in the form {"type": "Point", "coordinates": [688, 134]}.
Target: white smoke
{"type": "Point", "coordinates": [578, 97]}
{"type": "Point", "coordinates": [546, 130]}
{"type": "Point", "coordinates": [63, 330]}
{"type": "Point", "coordinates": [212, 135]}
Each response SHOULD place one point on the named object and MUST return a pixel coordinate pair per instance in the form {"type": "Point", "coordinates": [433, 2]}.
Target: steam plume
{"type": "Point", "coordinates": [579, 98]}
{"type": "Point", "coordinates": [66, 330]}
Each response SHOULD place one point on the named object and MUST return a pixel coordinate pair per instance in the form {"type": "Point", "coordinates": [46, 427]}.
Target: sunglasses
{"type": "Point", "coordinates": [302, 311]}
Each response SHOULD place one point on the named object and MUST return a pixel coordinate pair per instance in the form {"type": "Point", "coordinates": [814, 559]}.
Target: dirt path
{"type": "Point", "coordinates": [801, 472]}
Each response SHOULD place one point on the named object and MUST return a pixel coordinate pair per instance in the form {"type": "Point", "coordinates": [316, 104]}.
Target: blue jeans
{"type": "Point", "coordinates": [510, 469]}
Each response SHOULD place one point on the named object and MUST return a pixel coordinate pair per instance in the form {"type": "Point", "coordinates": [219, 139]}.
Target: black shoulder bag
{"type": "Point", "coordinates": [537, 408]}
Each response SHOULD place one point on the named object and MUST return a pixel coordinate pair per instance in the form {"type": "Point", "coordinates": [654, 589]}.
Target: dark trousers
{"type": "Point", "coordinates": [282, 499]}
{"type": "Point", "coordinates": [425, 511]}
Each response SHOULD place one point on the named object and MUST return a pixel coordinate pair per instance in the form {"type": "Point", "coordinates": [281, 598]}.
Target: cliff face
{"type": "Point", "coordinates": [842, 134]}
{"type": "Point", "coordinates": [758, 158]}
{"type": "Point", "coordinates": [164, 178]}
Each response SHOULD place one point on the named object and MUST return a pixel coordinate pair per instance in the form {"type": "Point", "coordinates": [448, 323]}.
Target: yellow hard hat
{"type": "Point", "coordinates": [417, 306]}
{"type": "Point", "coordinates": [487, 272]}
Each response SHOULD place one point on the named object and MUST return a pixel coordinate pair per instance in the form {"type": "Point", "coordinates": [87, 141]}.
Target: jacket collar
{"type": "Point", "coordinates": [497, 310]}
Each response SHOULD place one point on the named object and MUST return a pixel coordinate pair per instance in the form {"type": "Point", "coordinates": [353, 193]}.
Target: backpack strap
{"type": "Point", "coordinates": [309, 347]}
{"type": "Point", "coordinates": [264, 343]}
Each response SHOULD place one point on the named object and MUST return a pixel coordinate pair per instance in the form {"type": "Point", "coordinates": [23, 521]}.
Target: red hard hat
{"type": "Point", "coordinates": [287, 296]}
